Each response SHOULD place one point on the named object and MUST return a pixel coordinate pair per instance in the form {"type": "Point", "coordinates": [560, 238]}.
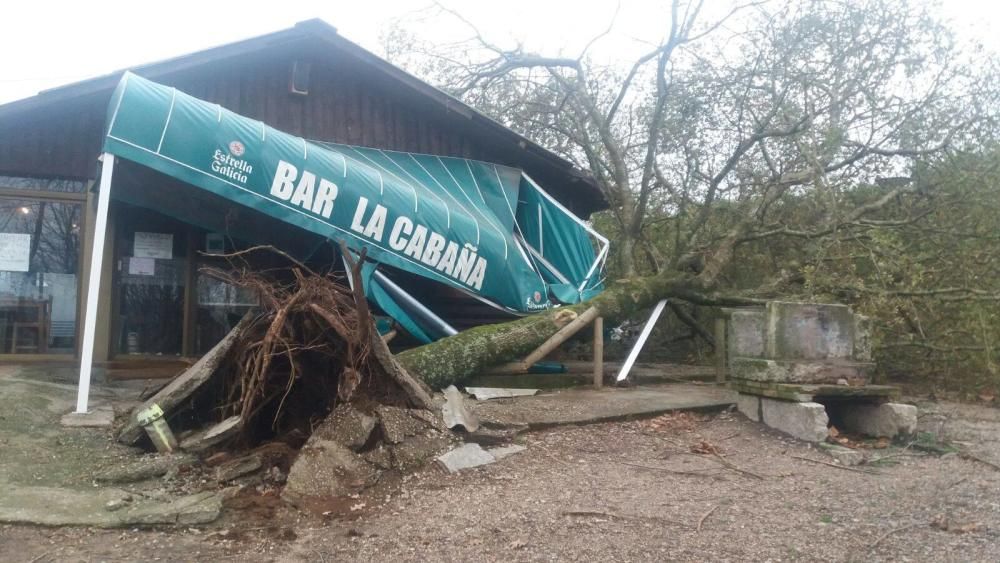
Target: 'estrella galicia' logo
{"type": "Point", "coordinates": [535, 303]}
{"type": "Point", "coordinates": [237, 149]}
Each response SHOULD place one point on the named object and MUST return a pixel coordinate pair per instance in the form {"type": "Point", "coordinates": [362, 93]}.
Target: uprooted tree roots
{"type": "Point", "coordinates": [310, 345]}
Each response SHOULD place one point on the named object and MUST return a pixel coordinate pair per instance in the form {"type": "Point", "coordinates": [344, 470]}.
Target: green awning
{"type": "Point", "coordinates": [483, 228]}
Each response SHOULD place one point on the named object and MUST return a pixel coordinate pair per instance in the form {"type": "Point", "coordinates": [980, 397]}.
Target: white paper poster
{"type": "Point", "coordinates": [15, 252]}
{"type": "Point", "coordinates": [153, 245]}
{"type": "Point", "coordinates": [142, 266]}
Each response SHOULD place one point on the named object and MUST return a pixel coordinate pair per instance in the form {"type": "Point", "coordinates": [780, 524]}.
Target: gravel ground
{"type": "Point", "coordinates": [629, 491]}
{"type": "Point", "coordinates": [580, 494]}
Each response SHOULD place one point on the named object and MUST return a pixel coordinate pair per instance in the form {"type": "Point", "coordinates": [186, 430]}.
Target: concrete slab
{"type": "Point", "coordinates": [98, 417]}
{"type": "Point", "coordinates": [487, 393]}
{"type": "Point", "coordinates": [102, 508]}
{"type": "Point", "coordinates": [800, 371]}
{"type": "Point", "coordinates": [466, 456]}
{"type": "Point", "coordinates": [586, 406]}
{"type": "Point", "coordinates": [47, 471]}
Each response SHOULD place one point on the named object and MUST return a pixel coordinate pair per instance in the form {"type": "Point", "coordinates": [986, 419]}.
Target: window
{"type": "Point", "coordinates": [39, 265]}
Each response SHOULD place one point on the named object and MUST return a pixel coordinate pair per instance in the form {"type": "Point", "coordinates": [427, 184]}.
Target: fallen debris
{"type": "Point", "coordinates": [307, 380]}
{"type": "Point", "coordinates": [213, 436]}
{"type": "Point", "coordinates": [347, 426]}
{"type": "Point", "coordinates": [487, 393]}
{"type": "Point", "coordinates": [236, 468]}
{"type": "Point", "coordinates": [397, 423]}
{"type": "Point", "coordinates": [465, 457]}
{"type": "Point", "coordinates": [417, 451]}
{"type": "Point", "coordinates": [325, 469]}
{"type": "Point", "coordinates": [182, 387]}
{"type": "Point", "coordinates": [456, 413]}
{"type": "Point", "coordinates": [468, 456]}
{"type": "Point", "coordinates": [144, 468]}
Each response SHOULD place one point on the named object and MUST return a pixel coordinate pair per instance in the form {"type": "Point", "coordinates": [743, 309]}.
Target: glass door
{"type": "Point", "coordinates": [150, 279]}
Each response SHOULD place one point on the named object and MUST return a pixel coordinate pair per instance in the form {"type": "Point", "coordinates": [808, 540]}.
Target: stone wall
{"type": "Point", "coordinates": [788, 342]}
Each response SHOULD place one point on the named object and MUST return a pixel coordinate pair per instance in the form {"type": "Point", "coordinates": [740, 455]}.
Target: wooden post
{"type": "Point", "coordinates": [558, 338]}
{"type": "Point", "coordinates": [720, 350]}
{"type": "Point", "coordinates": [599, 352]}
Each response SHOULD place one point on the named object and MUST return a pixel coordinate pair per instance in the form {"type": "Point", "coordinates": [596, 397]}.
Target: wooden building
{"type": "Point", "coordinates": [308, 81]}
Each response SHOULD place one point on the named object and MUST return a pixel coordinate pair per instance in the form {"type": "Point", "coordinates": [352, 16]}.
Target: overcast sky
{"type": "Point", "coordinates": [46, 44]}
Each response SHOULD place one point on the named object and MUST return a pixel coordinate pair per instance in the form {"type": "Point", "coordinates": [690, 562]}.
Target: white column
{"type": "Point", "coordinates": [627, 366]}
{"type": "Point", "coordinates": [94, 284]}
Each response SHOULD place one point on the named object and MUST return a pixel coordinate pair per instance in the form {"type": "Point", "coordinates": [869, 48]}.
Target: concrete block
{"type": "Point", "coordinates": [749, 405]}
{"type": "Point", "coordinates": [745, 334]}
{"type": "Point", "coordinates": [805, 421]}
{"type": "Point", "coordinates": [97, 417]}
{"type": "Point", "coordinates": [881, 421]}
{"type": "Point", "coordinates": [800, 371]}
{"type": "Point", "coordinates": [809, 331]}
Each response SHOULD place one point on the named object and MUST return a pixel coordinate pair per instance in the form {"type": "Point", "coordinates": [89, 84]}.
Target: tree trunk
{"type": "Point", "coordinates": [471, 352]}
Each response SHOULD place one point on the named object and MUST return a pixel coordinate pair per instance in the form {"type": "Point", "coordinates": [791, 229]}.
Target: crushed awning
{"type": "Point", "coordinates": [485, 229]}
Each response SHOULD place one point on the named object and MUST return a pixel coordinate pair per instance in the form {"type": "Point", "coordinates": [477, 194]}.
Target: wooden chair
{"type": "Point", "coordinates": [40, 344]}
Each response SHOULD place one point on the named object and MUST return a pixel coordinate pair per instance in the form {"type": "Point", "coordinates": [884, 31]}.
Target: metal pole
{"type": "Point", "coordinates": [627, 366]}
{"type": "Point", "coordinates": [94, 283]}
{"type": "Point", "coordinates": [416, 307]}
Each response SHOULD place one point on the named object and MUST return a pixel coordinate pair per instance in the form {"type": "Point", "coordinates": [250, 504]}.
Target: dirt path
{"type": "Point", "coordinates": [622, 492]}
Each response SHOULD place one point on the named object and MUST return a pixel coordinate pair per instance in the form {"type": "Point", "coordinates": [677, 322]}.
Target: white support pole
{"type": "Point", "coordinates": [627, 366]}
{"type": "Point", "coordinates": [94, 283]}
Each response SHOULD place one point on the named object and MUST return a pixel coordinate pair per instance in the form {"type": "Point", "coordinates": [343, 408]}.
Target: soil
{"type": "Point", "coordinates": [625, 491]}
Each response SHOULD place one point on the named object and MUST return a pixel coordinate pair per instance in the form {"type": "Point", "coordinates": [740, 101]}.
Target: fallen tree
{"type": "Point", "coordinates": [456, 358]}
